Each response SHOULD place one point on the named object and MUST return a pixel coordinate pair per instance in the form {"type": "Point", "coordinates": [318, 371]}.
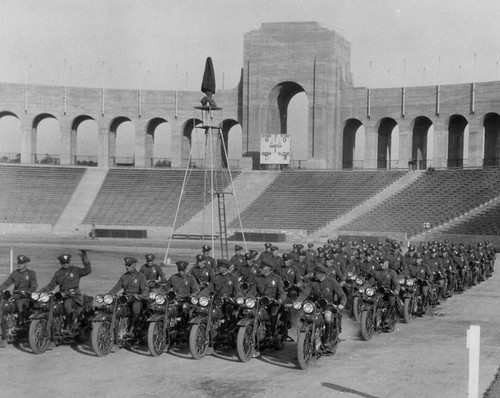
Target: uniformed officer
{"type": "Point", "coordinates": [420, 270]}
{"type": "Point", "coordinates": [209, 260]}
{"type": "Point", "coordinates": [182, 284]}
{"type": "Point", "coordinates": [153, 272]}
{"type": "Point", "coordinates": [238, 260]}
{"type": "Point", "coordinates": [310, 254]}
{"type": "Point", "coordinates": [224, 284]}
{"type": "Point", "coordinates": [134, 283]}
{"type": "Point", "coordinates": [276, 261]}
{"type": "Point", "coordinates": [68, 279]}
{"type": "Point", "coordinates": [266, 254]}
{"type": "Point", "coordinates": [203, 274]}
{"type": "Point", "coordinates": [290, 275]}
{"type": "Point", "coordinates": [387, 278]}
{"type": "Point", "coordinates": [24, 281]}
{"type": "Point", "coordinates": [250, 270]}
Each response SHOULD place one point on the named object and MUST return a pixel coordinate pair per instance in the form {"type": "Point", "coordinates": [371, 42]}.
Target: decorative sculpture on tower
{"type": "Point", "coordinates": [208, 85]}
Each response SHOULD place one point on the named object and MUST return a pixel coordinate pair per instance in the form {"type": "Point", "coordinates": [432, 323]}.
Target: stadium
{"type": "Point", "coordinates": [411, 164]}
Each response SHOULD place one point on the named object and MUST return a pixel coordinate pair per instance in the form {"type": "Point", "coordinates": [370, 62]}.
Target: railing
{"type": "Point", "coordinates": [90, 161]}
{"type": "Point", "coordinates": [10, 157]}
{"type": "Point", "coordinates": [46, 158]}
{"type": "Point", "coordinates": [159, 162]}
{"type": "Point", "coordinates": [117, 161]}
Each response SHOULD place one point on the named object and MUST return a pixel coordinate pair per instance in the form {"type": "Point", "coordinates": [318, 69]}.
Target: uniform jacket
{"type": "Point", "coordinates": [133, 282]}
{"type": "Point", "coordinates": [183, 287]}
{"type": "Point", "coordinates": [270, 286]}
{"type": "Point", "coordinates": [25, 281]}
{"type": "Point", "coordinates": [68, 279]}
{"type": "Point", "coordinates": [153, 272]}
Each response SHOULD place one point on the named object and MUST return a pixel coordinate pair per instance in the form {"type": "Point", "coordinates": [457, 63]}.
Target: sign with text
{"type": "Point", "coordinates": [275, 149]}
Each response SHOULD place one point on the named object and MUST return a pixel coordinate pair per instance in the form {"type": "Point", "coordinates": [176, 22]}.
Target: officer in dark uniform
{"type": "Point", "coordinates": [249, 271]}
{"type": "Point", "coordinates": [276, 260]}
{"type": "Point", "coordinates": [238, 260]}
{"type": "Point", "coordinates": [224, 284]}
{"type": "Point", "coordinates": [203, 274]}
{"type": "Point", "coordinates": [420, 270]}
{"type": "Point", "coordinates": [387, 278]}
{"type": "Point", "coordinates": [68, 279]}
{"type": "Point", "coordinates": [24, 281]}
{"type": "Point", "coordinates": [266, 254]}
{"type": "Point", "coordinates": [209, 260]}
{"type": "Point", "coordinates": [134, 283]}
{"type": "Point", "coordinates": [152, 271]}
{"type": "Point", "coordinates": [182, 284]}
{"type": "Point", "coordinates": [310, 254]}
{"type": "Point", "coordinates": [291, 276]}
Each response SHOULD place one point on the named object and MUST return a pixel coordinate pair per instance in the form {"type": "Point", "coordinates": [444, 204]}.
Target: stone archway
{"type": "Point", "coordinates": [384, 143]}
{"type": "Point", "coordinates": [456, 133]}
{"type": "Point", "coordinates": [419, 148]}
{"type": "Point", "coordinates": [353, 144]}
{"type": "Point", "coordinates": [491, 139]}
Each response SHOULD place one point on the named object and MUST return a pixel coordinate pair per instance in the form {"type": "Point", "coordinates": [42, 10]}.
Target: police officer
{"type": "Point", "coordinates": [291, 276]}
{"type": "Point", "coordinates": [134, 283]}
{"type": "Point", "coordinates": [224, 284]}
{"type": "Point", "coordinates": [250, 270]}
{"type": "Point", "coordinates": [203, 274]}
{"type": "Point", "coordinates": [209, 260]}
{"type": "Point", "coordinates": [152, 271]}
{"type": "Point", "coordinates": [24, 280]}
{"type": "Point", "coordinates": [238, 260]}
{"type": "Point", "coordinates": [182, 284]}
{"type": "Point", "coordinates": [420, 270]}
{"type": "Point", "coordinates": [266, 254]}
{"type": "Point", "coordinates": [387, 278]}
{"type": "Point", "coordinates": [68, 279]}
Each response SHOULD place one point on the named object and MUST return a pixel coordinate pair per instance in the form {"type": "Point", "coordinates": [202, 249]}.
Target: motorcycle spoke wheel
{"type": "Point", "coordinates": [305, 349]}
{"type": "Point", "coordinates": [198, 340]}
{"type": "Point", "coordinates": [356, 309]}
{"type": "Point", "coordinates": [157, 338]}
{"type": "Point", "coordinates": [245, 343]}
{"type": "Point", "coordinates": [407, 310]}
{"type": "Point", "coordinates": [11, 328]}
{"type": "Point", "coordinates": [367, 326]}
{"type": "Point", "coordinates": [37, 336]}
{"type": "Point", "coordinates": [101, 338]}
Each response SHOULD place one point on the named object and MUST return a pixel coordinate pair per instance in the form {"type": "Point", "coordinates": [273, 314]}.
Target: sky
{"type": "Point", "coordinates": [163, 44]}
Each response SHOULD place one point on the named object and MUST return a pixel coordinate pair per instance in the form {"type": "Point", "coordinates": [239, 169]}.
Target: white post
{"type": "Point", "coordinates": [11, 259]}
{"type": "Point", "coordinates": [473, 340]}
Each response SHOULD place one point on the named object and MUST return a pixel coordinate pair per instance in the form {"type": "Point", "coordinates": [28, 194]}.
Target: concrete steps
{"type": "Point", "coordinates": [69, 223]}
{"type": "Point", "coordinates": [247, 187]}
{"type": "Point", "coordinates": [397, 186]}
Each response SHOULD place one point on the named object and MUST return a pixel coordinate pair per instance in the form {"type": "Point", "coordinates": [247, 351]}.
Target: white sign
{"type": "Point", "coordinates": [275, 149]}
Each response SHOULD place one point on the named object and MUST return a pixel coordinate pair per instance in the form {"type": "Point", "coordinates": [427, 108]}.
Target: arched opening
{"type": "Point", "coordinates": [10, 138]}
{"type": "Point", "coordinates": [191, 135]}
{"type": "Point", "coordinates": [288, 113]}
{"type": "Point", "coordinates": [420, 148]}
{"type": "Point", "coordinates": [122, 142]}
{"type": "Point", "coordinates": [456, 131]}
{"type": "Point", "coordinates": [353, 146]}
{"type": "Point", "coordinates": [48, 139]}
{"type": "Point", "coordinates": [85, 141]}
{"type": "Point", "coordinates": [385, 143]}
{"type": "Point", "coordinates": [232, 134]}
{"type": "Point", "coordinates": [159, 143]}
{"type": "Point", "coordinates": [491, 140]}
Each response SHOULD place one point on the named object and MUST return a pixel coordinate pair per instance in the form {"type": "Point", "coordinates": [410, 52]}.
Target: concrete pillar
{"type": "Point", "coordinates": [104, 153]}
{"type": "Point", "coordinates": [140, 143]}
{"type": "Point", "coordinates": [28, 143]}
{"type": "Point", "coordinates": [439, 155]}
{"type": "Point", "coordinates": [371, 141]}
{"type": "Point", "coordinates": [177, 139]}
{"type": "Point", "coordinates": [68, 142]}
{"type": "Point", "coordinates": [475, 143]}
{"type": "Point", "coordinates": [404, 144]}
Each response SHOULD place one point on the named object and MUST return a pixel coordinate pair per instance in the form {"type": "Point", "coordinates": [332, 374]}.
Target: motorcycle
{"type": "Point", "coordinates": [258, 330]}
{"type": "Point", "coordinates": [50, 324]}
{"type": "Point", "coordinates": [14, 328]}
{"type": "Point", "coordinates": [168, 322]}
{"type": "Point", "coordinates": [376, 315]}
{"type": "Point", "coordinates": [357, 290]}
{"type": "Point", "coordinates": [111, 323]}
{"type": "Point", "coordinates": [408, 297]}
{"type": "Point", "coordinates": [316, 337]}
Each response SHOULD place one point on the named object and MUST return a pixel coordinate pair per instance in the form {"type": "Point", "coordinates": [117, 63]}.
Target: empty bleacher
{"type": "Point", "coordinates": [484, 223]}
{"type": "Point", "coordinates": [308, 200]}
{"type": "Point", "coordinates": [435, 198]}
{"type": "Point", "coordinates": [36, 194]}
{"type": "Point", "coordinates": [141, 197]}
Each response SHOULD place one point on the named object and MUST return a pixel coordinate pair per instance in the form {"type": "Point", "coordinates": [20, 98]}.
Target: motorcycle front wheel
{"type": "Point", "coordinates": [245, 342]}
{"type": "Point", "coordinates": [356, 310]}
{"type": "Point", "coordinates": [407, 310]}
{"type": "Point", "coordinates": [367, 327]}
{"type": "Point", "coordinates": [305, 349]}
{"type": "Point", "coordinates": [198, 340]}
{"type": "Point", "coordinates": [102, 338]}
{"type": "Point", "coordinates": [37, 336]}
{"type": "Point", "coordinates": [157, 338]}
{"type": "Point", "coordinates": [11, 328]}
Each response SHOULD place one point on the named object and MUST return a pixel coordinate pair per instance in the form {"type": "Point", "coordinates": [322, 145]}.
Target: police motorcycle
{"type": "Point", "coordinates": [376, 315]}
{"type": "Point", "coordinates": [51, 326]}
{"type": "Point", "coordinates": [258, 329]}
{"type": "Point", "coordinates": [316, 337]}
{"type": "Point", "coordinates": [355, 289]}
{"type": "Point", "coordinates": [111, 323]}
{"type": "Point", "coordinates": [14, 327]}
{"type": "Point", "coordinates": [168, 321]}
{"type": "Point", "coordinates": [408, 305]}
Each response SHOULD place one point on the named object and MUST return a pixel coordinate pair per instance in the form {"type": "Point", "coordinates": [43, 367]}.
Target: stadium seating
{"type": "Point", "coordinates": [36, 194]}
{"type": "Point", "coordinates": [484, 223]}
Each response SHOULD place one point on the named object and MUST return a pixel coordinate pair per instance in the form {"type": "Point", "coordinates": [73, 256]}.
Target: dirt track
{"type": "Point", "coordinates": [426, 358]}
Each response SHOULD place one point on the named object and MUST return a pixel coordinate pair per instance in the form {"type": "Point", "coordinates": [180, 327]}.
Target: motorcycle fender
{"type": "Point", "coordinates": [305, 326]}
{"type": "Point", "coordinates": [245, 322]}
{"type": "Point", "coordinates": [101, 317]}
{"type": "Point", "coordinates": [39, 315]}
{"type": "Point", "coordinates": [155, 318]}
{"type": "Point", "coordinates": [197, 319]}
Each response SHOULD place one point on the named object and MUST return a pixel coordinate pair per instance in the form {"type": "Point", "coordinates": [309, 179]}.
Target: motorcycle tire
{"type": "Point", "coordinates": [356, 310]}
{"type": "Point", "coordinates": [11, 328]}
{"type": "Point", "coordinates": [367, 326]}
{"type": "Point", "coordinates": [407, 310]}
{"type": "Point", "coordinates": [157, 338]}
{"type": "Point", "coordinates": [102, 338]}
{"type": "Point", "coordinates": [37, 336]}
{"type": "Point", "coordinates": [305, 349]}
{"type": "Point", "coordinates": [198, 340]}
{"type": "Point", "coordinates": [245, 343]}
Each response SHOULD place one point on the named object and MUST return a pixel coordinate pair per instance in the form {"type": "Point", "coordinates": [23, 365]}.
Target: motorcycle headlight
{"type": "Point", "coordinates": [250, 302]}
{"type": "Point", "coordinates": [240, 300]}
{"type": "Point", "coordinates": [194, 300]}
{"type": "Point", "coordinates": [44, 297]}
{"type": "Point", "coordinates": [297, 305]}
{"type": "Point", "coordinates": [35, 296]}
{"type": "Point", "coordinates": [370, 291]}
{"type": "Point", "coordinates": [203, 301]}
{"type": "Point", "coordinates": [108, 299]}
{"type": "Point", "coordinates": [410, 282]}
{"type": "Point", "coordinates": [359, 281]}
{"type": "Point", "coordinates": [308, 307]}
{"type": "Point", "coordinates": [99, 299]}
{"type": "Point", "coordinates": [362, 290]}
{"type": "Point", "coordinates": [152, 296]}
{"type": "Point", "coordinates": [160, 299]}
{"type": "Point", "coordinates": [402, 281]}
